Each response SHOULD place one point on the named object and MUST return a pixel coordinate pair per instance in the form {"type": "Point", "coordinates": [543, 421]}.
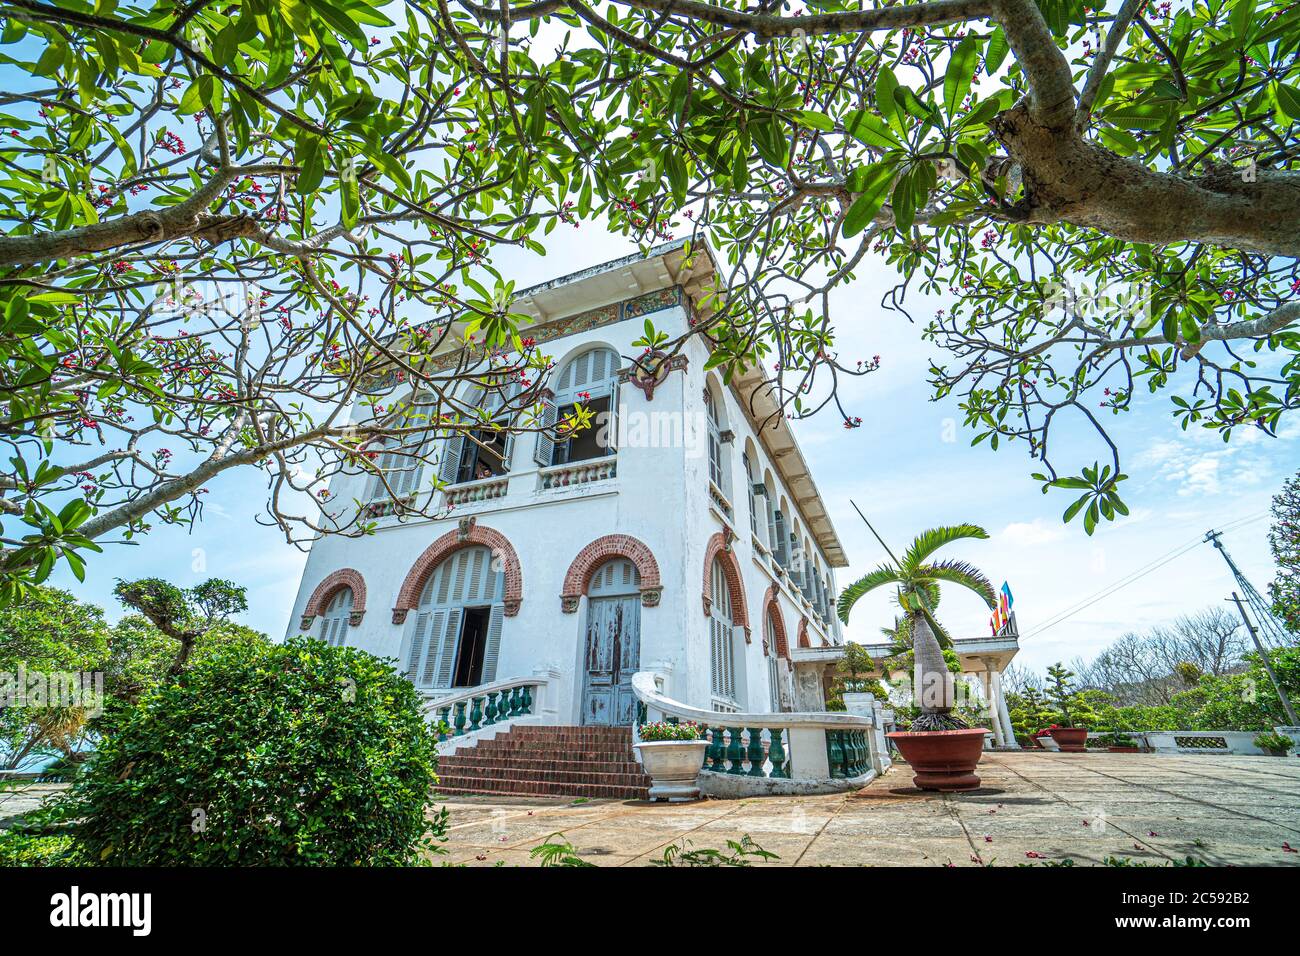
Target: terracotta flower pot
{"type": "Point", "coordinates": [673, 766]}
{"type": "Point", "coordinates": [942, 760]}
{"type": "Point", "coordinates": [1071, 739]}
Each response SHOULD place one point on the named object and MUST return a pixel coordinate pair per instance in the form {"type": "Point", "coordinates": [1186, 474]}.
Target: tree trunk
{"type": "Point", "coordinates": [932, 682]}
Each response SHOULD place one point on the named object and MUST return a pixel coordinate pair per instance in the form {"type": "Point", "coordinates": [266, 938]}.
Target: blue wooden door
{"type": "Point", "coordinates": [613, 646]}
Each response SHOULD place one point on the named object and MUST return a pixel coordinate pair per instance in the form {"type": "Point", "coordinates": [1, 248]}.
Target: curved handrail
{"type": "Point", "coordinates": [644, 685]}
{"type": "Point", "coordinates": [467, 694]}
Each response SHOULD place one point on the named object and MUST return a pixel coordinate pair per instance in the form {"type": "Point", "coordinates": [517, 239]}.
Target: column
{"type": "Point", "coordinates": [1004, 716]}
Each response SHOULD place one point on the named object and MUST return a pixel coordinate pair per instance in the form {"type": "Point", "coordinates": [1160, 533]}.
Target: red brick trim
{"type": "Point", "coordinates": [451, 542]}
{"type": "Point", "coordinates": [772, 606]}
{"type": "Point", "coordinates": [804, 640]}
{"type": "Point", "coordinates": [578, 578]}
{"type": "Point", "coordinates": [330, 586]}
{"type": "Point", "coordinates": [719, 547]}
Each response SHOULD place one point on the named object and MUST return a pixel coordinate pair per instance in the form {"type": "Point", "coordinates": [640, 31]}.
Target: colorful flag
{"type": "Point", "coordinates": [1006, 596]}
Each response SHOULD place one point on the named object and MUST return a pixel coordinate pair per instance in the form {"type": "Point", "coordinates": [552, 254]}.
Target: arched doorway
{"type": "Point", "coordinates": [455, 637]}
{"type": "Point", "coordinates": [613, 644]}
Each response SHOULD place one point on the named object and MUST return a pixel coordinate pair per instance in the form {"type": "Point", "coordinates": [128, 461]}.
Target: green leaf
{"type": "Point", "coordinates": [960, 73]}
{"type": "Point", "coordinates": [869, 129]}
{"type": "Point", "coordinates": [875, 187]}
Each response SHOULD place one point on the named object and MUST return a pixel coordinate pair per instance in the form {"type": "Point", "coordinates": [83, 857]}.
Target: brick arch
{"type": "Point", "coordinates": [468, 534]}
{"type": "Point", "coordinates": [773, 606]}
{"type": "Point", "coordinates": [578, 578]}
{"type": "Point", "coordinates": [333, 583]}
{"type": "Point", "coordinates": [720, 547]}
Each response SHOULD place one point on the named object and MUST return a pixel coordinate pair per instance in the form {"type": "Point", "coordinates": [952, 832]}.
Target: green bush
{"type": "Point", "coordinates": [663, 730]}
{"type": "Point", "coordinates": [1274, 742]}
{"type": "Point", "coordinates": [287, 754]}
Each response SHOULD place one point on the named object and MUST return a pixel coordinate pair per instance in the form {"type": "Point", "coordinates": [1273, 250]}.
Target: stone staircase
{"type": "Point", "coordinates": [534, 761]}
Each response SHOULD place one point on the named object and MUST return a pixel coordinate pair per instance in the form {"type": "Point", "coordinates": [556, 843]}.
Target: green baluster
{"type": "Point", "coordinates": [460, 717]}
{"type": "Point", "coordinates": [475, 713]}
{"type": "Point", "coordinates": [852, 757]}
{"type": "Point", "coordinates": [708, 751]}
{"type": "Point", "coordinates": [864, 753]}
{"type": "Point", "coordinates": [490, 713]}
{"type": "Point", "coordinates": [835, 753]}
{"type": "Point", "coordinates": [526, 704]}
{"type": "Point", "coordinates": [736, 753]}
{"type": "Point", "coordinates": [444, 720]}
{"type": "Point", "coordinates": [755, 752]}
{"type": "Point", "coordinates": [776, 754]}
{"type": "Point", "coordinates": [514, 702]}
{"type": "Point", "coordinates": [719, 751]}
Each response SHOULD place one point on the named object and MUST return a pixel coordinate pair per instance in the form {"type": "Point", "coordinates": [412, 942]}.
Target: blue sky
{"type": "Point", "coordinates": [905, 475]}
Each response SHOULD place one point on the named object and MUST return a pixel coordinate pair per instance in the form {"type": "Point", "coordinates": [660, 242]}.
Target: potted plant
{"type": "Point", "coordinates": [1273, 743]}
{"type": "Point", "coordinates": [1121, 743]}
{"type": "Point", "coordinates": [672, 754]}
{"type": "Point", "coordinates": [1068, 732]}
{"type": "Point", "coordinates": [941, 748]}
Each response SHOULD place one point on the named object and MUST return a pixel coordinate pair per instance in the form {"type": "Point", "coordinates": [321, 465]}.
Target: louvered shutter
{"type": "Point", "coordinates": [450, 464]}
{"type": "Point", "coordinates": [545, 449]}
{"type": "Point", "coordinates": [493, 649]}
{"type": "Point", "coordinates": [779, 537]}
{"type": "Point", "coordinates": [419, 641]}
{"type": "Point", "coordinates": [445, 663]}
{"type": "Point", "coordinates": [612, 444]}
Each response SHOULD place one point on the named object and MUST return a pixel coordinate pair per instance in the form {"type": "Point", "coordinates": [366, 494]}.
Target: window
{"type": "Point", "coordinates": [591, 380]}
{"type": "Point", "coordinates": [486, 452]}
{"type": "Point", "coordinates": [455, 635]}
{"type": "Point", "coordinates": [400, 460]}
{"type": "Point", "coordinates": [715, 441]}
{"type": "Point", "coordinates": [773, 665]}
{"type": "Point", "coordinates": [749, 487]}
{"type": "Point", "coordinates": [334, 622]}
{"type": "Point", "coordinates": [723, 641]}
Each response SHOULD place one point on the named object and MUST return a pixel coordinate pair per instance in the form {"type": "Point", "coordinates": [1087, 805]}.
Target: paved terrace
{"type": "Point", "coordinates": [1148, 808]}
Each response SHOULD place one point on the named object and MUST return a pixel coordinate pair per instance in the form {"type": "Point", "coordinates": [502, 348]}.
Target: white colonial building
{"type": "Point", "coordinates": [688, 544]}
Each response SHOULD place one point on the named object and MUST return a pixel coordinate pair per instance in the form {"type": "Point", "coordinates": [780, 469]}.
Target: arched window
{"type": "Point", "coordinates": [590, 379]}
{"type": "Point", "coordinates": [773, 665]}
{"type": "Point", "coordinates": [749, 488]}
{"type": "Point", "coordinates": [719, 466]}
{"type": "Point", "coordinates": [722, 632]}
{"type": "Point", "coordinates": [334, 621]}
{"type": "Point", "coordinates": [455, 637]}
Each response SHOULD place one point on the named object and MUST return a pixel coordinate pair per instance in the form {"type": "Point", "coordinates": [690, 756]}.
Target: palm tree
{"type": "Point", "coordinates": [918, 579]}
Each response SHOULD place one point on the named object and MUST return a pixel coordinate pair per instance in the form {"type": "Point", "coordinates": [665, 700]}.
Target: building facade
{"type": "Point", "coordinates": [684, 535]}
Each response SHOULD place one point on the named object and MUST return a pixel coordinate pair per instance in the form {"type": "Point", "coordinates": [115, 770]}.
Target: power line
{"type": "Point", "coordinates": [1136, 575]}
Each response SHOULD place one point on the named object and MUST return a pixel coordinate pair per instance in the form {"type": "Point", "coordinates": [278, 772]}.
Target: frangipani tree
{"type": "Point", "coordinates": [1107, 192]}
{"type": "Point", "coordinates": [917, 578]}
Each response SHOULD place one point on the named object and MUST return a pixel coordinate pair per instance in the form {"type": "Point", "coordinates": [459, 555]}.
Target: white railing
{"type": "Point", "coordinates": [488, 709]}
{"type": "Point", "coordinates": [578, 473]}
{"type": "Point", "coordinates": [758, 753]}
{"type": "Point", "coordinates": [486, 489]}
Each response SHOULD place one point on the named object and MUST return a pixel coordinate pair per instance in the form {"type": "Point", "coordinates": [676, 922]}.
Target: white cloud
{"type": "Point", "coordinates": [1027, 534]}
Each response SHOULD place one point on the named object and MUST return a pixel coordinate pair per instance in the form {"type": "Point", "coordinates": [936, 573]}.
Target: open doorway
{"type": "Point", "coordinates": [471, 647]}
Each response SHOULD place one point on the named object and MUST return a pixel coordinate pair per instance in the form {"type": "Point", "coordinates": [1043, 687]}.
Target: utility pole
{"type": "Point", "coordinates": [1273, 631]}
{"type": "Point", "coordinates": [1268, 665]}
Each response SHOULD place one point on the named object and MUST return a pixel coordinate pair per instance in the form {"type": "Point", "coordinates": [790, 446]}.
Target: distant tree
{"type": "Point", "coordinates": [183, 614]}
{"type": "Point", "coordinates": [49, 630]}
{"type": "Point", "coordinates": [1284, 541]}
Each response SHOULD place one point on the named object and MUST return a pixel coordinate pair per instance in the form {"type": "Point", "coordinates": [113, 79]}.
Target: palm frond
{"type": "Point", "coordinates": [963, 573]}
{"type": "Point", "coordinates": [883, 575]}
{"type": "Point", "coordinates": [928, 542]}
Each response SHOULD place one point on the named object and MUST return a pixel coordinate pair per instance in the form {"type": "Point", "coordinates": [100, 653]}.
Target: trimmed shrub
{"type": "Point", "coordinates": [293, 754]}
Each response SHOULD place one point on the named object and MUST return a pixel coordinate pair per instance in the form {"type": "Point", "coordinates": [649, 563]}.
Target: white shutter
{"type": "Point", "coordinates": [492, 651]}
{"type": "Point", "coordinates": [450, 464]}
{"type": "Point", "coordinates": [545, 449]}
{"type": "Point", "coordinates": [445, 663]}
{"type": "Point", "coordinates": [419, 638]}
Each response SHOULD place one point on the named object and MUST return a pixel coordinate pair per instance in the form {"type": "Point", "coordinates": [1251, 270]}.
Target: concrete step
{"type": "Point", "coordinates": [498, 762]}
{"type": "Point", "coordinates": [531, 788]}
{"type": "Point", "coordinates": [453, 776]}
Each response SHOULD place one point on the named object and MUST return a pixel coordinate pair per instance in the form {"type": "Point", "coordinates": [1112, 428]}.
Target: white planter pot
{"type": "Point", "coordinates": [860, 704]}
{"type": "Point", "coordinates": [673, 766]}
